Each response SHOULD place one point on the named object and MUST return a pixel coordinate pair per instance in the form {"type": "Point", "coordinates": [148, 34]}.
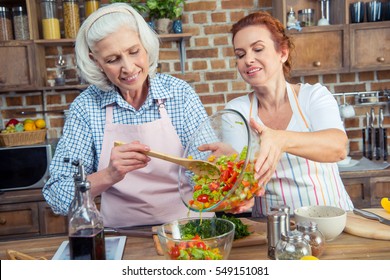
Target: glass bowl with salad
{"type": "Point", "coordinates": [197, 239]}
{"type": "Point", "coordinates": [226, 140]}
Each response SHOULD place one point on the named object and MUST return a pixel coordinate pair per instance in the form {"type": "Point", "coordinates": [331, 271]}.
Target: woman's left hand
{"type": "Point", "coordinates": [217, 149]}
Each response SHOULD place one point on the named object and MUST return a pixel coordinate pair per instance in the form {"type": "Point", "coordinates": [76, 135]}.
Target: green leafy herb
{"type": "Point", "coordinates": [241, 229]}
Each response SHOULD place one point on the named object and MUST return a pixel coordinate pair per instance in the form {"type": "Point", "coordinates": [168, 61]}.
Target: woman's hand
{"type": "Point", "coordinates": [244, 206]}
{"type": "Point", "coordinates": [218, 149]}
{"type": "Point", "coordinates": [271, 150]}
{"type": "Point", "coordinates": [125, 158]}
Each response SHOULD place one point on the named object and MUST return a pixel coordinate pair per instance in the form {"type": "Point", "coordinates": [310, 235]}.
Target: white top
{"type": "Point", "coordinates": [316, 101]}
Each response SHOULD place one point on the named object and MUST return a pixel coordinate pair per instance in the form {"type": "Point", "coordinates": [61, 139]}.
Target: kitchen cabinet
{"type": "Point", "coordinates": [22, 71]}
{"type": "Point", "coordinates": [367, 188]}
{"type": "Point", "coordinates": [309, 55]}
{"type": "Point", "coordinates": [28, 71]}
{"type": "Point", "coordinates": [339, 47]}
{"type": "Point", "coordinates": [25, 213]}
{"type": "Point", "coordinates": [370, 47]}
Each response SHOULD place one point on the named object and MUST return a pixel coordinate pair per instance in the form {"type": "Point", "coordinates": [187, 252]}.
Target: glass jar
{"type": "Point", "coordinates": [50, 21]}
{"type": "Point", "coordinates": [90, 6]}
{"type": "Point", "coordinates": [5, 24]}
{"type": "Point", "coordinates": [306, 17]}
{"type": "Point", "coordinates": [292, 246]}
{"type": "Point", "coordinates": [314, 236]}
{"type": "Point", "coordinates": [71, 18]}
{"type": "Point", "coordinates": [20, 20]}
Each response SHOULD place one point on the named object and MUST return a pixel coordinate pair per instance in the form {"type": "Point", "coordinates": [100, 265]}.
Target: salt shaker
{"type": "Point", "coordinates": [276, 225]}
{"type": "Point", "coordinates": [286, 209]}
{"type": "Point", "coordinates": [312, 235]}
{"type": "Point", "coordinates": [292, 246]}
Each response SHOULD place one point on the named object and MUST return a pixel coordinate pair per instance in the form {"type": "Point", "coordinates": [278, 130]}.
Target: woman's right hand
{"type": "Point", "coordinates": [126, 158]}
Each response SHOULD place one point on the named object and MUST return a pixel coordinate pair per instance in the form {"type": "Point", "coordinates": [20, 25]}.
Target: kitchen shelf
{"type": "Point", "coordinates": [45, 88]}
{"type": "Point", "coordinates": [178, 37]}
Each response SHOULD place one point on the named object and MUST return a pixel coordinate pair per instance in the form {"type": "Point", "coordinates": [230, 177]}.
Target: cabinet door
{"type": "Point", "coordinates": [359, 191]}
{"type": "Point", "coordinates": [51, 223]}
{"type": "Point", "coordinates": [370, 46]}
{"type": "Point", "coordinates": [17, 65]}
{"type": "Point", "coordinates": [320, 50]}
{"type": "Point", "coordinates": [19, 219]}
{"type": "Point", "coordinates": [380, 187]}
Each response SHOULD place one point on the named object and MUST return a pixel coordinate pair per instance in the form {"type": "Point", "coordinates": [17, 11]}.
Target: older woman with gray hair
{"type": "Point", "coordinates": [127, 101]}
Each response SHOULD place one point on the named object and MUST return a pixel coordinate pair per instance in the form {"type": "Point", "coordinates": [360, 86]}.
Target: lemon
{"type": "Point", "coordinates": [40, 123]}
{"type": "Point", "coordinates": [309, 258]}
{"type": "Point", "coordinates": [385, 204]}
{"type": "Point", "coordinates": [30, 126]}
{"type": "Point", "coordinates": [28, 121]}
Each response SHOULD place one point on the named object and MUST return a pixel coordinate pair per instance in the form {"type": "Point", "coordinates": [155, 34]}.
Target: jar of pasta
{"type": "Point", "coordinates": [5, 24]}
{"type": "Point", "coordinates": [50, 21]}
{"type": "Point", "coordinates": [90, 6]}
{"type": "Point", "coordinates": [71, 18]}
{"type": "Point", "coordinates": [20, 20]}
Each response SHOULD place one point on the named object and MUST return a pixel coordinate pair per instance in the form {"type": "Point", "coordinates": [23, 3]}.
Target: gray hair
{"type": "Point", "coordinates": [101, 23]}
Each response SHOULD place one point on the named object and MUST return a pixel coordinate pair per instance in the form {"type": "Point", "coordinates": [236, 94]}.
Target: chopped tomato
{"type": "Point", "coordinates": [174, 252]}
{"type": "Point", "coordinates": [213, 186]}
{"type": "Point", "coordinates": [201, 245]}
{"type": "Point", "coordinates": [203, 198]}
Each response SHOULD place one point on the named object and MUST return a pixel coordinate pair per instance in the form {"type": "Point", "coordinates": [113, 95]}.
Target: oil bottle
{"type": "Point", "coordinates": [86, 230]}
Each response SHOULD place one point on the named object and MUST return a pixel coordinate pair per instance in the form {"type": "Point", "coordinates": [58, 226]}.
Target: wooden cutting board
{"type": "Point", "coordinates": [363, 227]}
{"type": "Point", "coordinates": [258, 236]}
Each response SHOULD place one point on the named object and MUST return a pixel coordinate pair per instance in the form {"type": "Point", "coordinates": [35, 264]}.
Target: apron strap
{"type": "Point", "coordinates": [161, 107]}
{"type": "Point", "coordinates": [109, 114]}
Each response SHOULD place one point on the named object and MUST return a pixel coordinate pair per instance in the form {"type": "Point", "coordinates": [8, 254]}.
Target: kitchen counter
{"type": "Point", "coordinates": [346, 246]}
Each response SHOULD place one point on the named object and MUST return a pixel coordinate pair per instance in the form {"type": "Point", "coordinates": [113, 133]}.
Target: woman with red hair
{"type": "Point", "coordinates": [301, 133]}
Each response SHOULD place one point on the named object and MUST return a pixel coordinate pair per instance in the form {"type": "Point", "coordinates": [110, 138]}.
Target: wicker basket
{"type": "Point", "coordinates": [22, 138]}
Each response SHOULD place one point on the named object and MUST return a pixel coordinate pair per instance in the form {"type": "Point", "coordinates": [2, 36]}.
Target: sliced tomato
{"type": "Point", "coordinates": [203, 198]}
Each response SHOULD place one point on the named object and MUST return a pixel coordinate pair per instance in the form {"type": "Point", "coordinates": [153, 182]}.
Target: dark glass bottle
{"type": "Point", "coordinates": [86, 230]}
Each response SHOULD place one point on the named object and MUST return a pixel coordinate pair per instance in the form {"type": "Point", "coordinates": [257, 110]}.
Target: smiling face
{"type": "Point", "coordinates": [123, 59]}
{"type": "Point", "coordinates": [258, 61]}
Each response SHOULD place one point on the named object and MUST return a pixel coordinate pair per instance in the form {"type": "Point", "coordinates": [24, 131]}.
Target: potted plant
{"type": "Point", "coordinates": [136, 4]}
{"type": "Point", "coordinates": [164, 12]}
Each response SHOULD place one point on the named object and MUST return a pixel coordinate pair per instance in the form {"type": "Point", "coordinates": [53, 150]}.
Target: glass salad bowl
{"type": "Point", "coordinates": [226, 140]}
{"type": "Point", "coordinates": [197, 239]}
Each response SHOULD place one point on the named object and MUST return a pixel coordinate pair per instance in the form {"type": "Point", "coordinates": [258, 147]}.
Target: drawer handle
{"type": "Point", "coordinates": [3, 221]}
{"type": "Point", "coordinates": [381, 59]}
{"type": "Point", "coordinates": [317, 63]}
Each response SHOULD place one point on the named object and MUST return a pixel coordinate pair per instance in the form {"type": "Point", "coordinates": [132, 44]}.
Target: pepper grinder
{"type": "Point", "coordinates": [324, 13]}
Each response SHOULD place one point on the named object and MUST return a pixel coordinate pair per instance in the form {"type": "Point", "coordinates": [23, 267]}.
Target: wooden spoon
{"type": "Point", "coordinates": [199, 167]}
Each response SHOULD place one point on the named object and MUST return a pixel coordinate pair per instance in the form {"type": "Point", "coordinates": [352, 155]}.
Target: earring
{"type": "Point", "coordinates": [101, 70]}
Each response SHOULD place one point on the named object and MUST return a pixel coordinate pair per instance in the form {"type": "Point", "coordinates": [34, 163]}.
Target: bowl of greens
{"type": "Point", "coordinates": [197, 239]}
{"type": "Point", "coordinates": [226, 140]}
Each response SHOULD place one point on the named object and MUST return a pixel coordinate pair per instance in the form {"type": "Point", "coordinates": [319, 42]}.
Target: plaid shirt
{"type": "Point", "coordinates": [84, 128]}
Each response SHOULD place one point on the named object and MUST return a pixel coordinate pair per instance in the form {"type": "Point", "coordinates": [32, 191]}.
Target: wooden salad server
{"type": "Point", "coordinates": [199, 167]}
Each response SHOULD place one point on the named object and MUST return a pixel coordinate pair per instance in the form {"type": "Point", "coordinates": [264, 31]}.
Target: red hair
{"type": "Point", "coordinates": [281, 40]}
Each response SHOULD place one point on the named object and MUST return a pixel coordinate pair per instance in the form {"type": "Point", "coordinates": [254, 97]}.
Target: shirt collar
{"type": "Point", "coordinates": [157, 90]}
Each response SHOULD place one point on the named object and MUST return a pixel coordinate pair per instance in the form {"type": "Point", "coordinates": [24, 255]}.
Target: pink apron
{"type": "Point", "coordinates": [149, 195]}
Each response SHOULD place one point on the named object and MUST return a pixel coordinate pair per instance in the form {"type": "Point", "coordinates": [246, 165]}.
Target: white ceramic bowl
{"type": "Point", "coordinates": [330, 220]}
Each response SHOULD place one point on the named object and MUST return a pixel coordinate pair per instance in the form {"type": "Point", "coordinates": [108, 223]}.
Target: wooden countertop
{"type": "Point", "coordinates": [345, 247]}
